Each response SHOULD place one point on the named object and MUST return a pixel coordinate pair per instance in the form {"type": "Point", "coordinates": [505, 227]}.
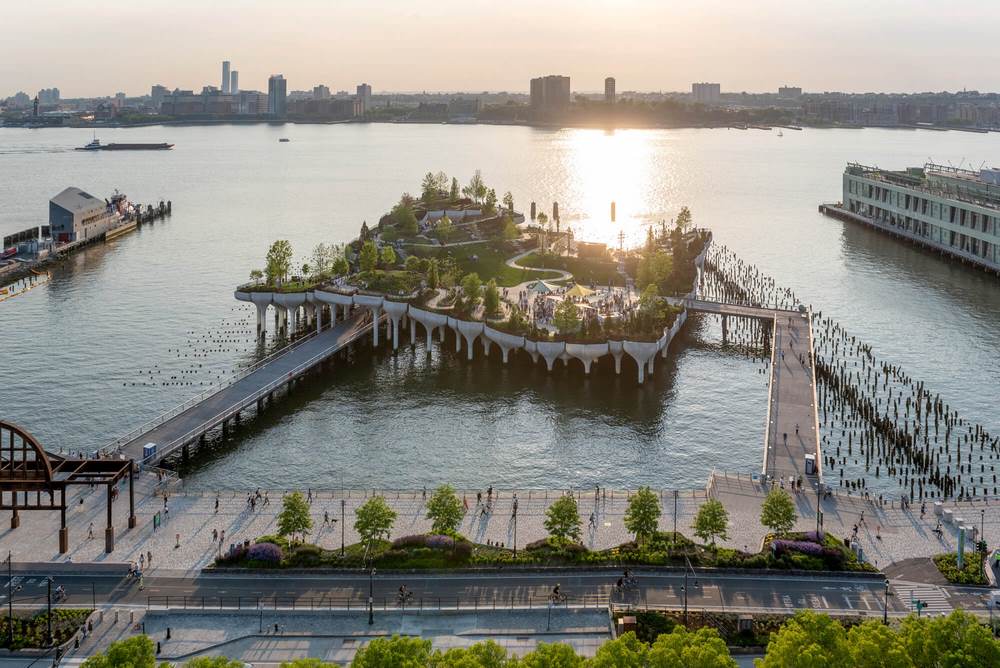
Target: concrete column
{"type": "Point", "coordinates": [395, 333]}
{"type": "Point", "coordinates": [109, 532]}
{"type": "Point", "coordinates": [486, 347]}
{"type": "Point", "coordinates": [413, 333]}
{"type": "Point", "coordinates": [375, 313]}
{"type": "Point", "coordinates": [318, 310]}
{"type": "Point", "coordinates": [261, 320]}
{"type": "Point", "coordinates": [649, 365]}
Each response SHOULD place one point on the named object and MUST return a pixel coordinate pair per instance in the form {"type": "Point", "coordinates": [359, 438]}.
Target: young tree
{"type": "Point", "coordinates": [432, 275]}
{"type": "Point", "coordinates": [956, 640]}
{"type": "Point", "coordinates": [562, 519]}
{"type": "Point", "coordinates": [444, 510]}
{"type": "Point", "coordinates": [412, 263]}
{"type": "Point", "coordinates": [444, 229]}
{"type": "Point", "coordinates": [643, 514]}
{"type": "Point", "coordinates": [508, 202]}
{"type": "Point", "coordinates": [256, 275]}
{"type": "Point", "coordinates": [441, 182]}
{"type": "Point", "coordinates": [453, 195]}
{"type": "Point", "coordinates": [551, 655]}
{"type": "Point", "coordinates": [472, 288]}
{"type": "Point", "coordinates": [491, 299]}
{"type": "Point", "coordinates": [711, 522]}
{"type": "Point", "coordinates": [808, 639]}
{"type": "Point", "coordinates": [699, 649]}
{"type": "Point", "coordinates": [322, 258]}
{"type": "Point", "coordinates": [510, 231]}
{"type": "Point", "coordinates": [374, 520]}
{"type": "Point", "coordinates": [340, 267]}
{"type": "Point", "coordinates": [368, 257]}
{"type": "Point", "coordinates": [405, 220]}
{"type": "Point", "coordinates": [476, 190]}
{"type": "Point", "coordinates": [137, 652]}
{"type": "Point", "coordinates": [777, 512]}
{"type": "Point", "coordinates": [486, 654]}
{"type": "Point", "coordinates": [428, 188]}
{"type": "Point", "coordinates": [294, 518]}
{"type": "Point", "coordinates": [279, 261]}
{"type": "Point", "coordinates": [566, 317]}
{"type": "Point", "coordinates": [388, 257]}
{"type": "Point", "coordinates": [684, 219]}
{"type": "Point", "coordinates": [306, 269]}
{"type": "Point", "coordinates": [490, 205]}
{"type": "Point", "coordinates": [394, 652]}
{"type": "Point", "coordinates": [625, 650]}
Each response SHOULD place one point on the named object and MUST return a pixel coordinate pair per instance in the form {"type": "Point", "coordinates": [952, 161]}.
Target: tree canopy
{"type": "Point", "coordinates": [562, 519]}
{"type": "Point", "coordinates": [712, 521]}
{"type": "Point", "coordinates": [444, 510]}
{"type": "Point", "coordinates": [374, 520]}
{"type": "Point", "coordinates": [566, 317]}
{"type": "Point", "coordinates": [134, 652]}
{"type": "Point", "coordinates": [777, 512]}
{"type": "Point", "coordinates": [279, 261]}
{"type": "Point", "coordinates": [368, 257]}
{"type": "Point", "coordinates": [294, 518]}
{"type": "Point", "coordinates": [643, 514]}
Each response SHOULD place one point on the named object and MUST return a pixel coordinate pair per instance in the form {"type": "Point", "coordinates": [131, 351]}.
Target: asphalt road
{"type": "Point", "coordinates": [717, 592]}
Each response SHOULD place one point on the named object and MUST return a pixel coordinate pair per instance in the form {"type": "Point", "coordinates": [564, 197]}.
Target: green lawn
{"type": "Point", "coordinates": [584, 270]}
{"type": "Point", "coordinates": [489, 263]}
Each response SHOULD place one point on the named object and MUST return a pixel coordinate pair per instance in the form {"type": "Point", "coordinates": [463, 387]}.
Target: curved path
{"type": "Point", "coordinates": [512, 263]}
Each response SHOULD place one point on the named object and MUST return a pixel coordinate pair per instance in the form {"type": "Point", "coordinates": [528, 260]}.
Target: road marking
{"type": "Point", "coordinates": [848, 601]}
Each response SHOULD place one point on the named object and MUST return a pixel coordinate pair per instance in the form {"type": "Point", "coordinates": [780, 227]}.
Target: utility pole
{"type": "Point", "coordinates": [371, 596]}
{"type": "Point", "coordinates": [673, 537]}
{"type": "Point", "coordinates": [343, 503]}
{"type": "Point", "coordinates": [515, 528]}
{"type": "Point", "coordinates": [10, 600]}
{"type": "Point", "coordinates": [48, 581]}
{"type": "Point", "coordinates": [885, 602]}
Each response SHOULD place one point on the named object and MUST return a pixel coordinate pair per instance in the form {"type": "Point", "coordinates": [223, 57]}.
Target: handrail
{"type": "Point", "coordinates": [177, 410]}
{"type": "Point", "coordinates": [358, 332]}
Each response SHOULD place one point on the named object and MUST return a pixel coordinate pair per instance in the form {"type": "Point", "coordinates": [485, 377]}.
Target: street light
{"type": "Point", "coordinates": [673, 538]}
{"type": "Point", "coordinates": [10, 599]}
{"type": "Point", "coordinates": [684, 589]}
{"type": "Point", "coordinates": [48, 581]}
{"type": "Point", "coordinates": [982, 539]}
{"type": "Point", "coordinates": [371, 596]}
{"type": "Point", "coordinates": [515, 528]}
{"type": "Point", "coordinates": [342, 529]}
{"type": "Point", "coordinates": [885, 606]}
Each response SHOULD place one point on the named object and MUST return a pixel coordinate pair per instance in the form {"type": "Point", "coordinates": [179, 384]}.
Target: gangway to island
{"type": "Point", "coordinates": [791, 434]}
{"type": "Point", "coordinates": [190, 421]}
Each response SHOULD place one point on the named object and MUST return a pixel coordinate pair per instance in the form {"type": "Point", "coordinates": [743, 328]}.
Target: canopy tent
{"type": "Point", "coordinates": [540, 287]}
{"type": "Point", "coordinates": [579, 291]}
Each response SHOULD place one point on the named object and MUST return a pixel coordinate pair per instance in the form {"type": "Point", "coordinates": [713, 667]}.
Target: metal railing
{"type": "Point", "coordinates": [385, 603]}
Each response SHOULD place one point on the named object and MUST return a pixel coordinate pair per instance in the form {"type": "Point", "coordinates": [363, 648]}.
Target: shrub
{"type": "Point", "coordinates": [439, 542]}
{"type": "Point", "coordinates": [781, 546]}
{"type": "Point", "coordinates": [650, 625]}
{"type": "Point", "coordinates": [265, 552]}
{"type": "Point", "coordinates": [970, 573]}
{"type": "Point", "coordinates": [409, 541]}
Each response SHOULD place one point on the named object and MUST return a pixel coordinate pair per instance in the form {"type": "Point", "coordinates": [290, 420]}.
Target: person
{"type": "Point", "coordinates": [556, 594]}
{"type": "Point", "coordinates": [326, 517]}
{"type": "Point", "coordinates": [620, 585]}
{"type": "Point", "coordinates": [923, 509]}
{"type": "Point", "coordinates": [60, 592]}
{"type": "Point", "coordinates": [216, 503]}
{"type": "Point", "coordinates": [90, 532]}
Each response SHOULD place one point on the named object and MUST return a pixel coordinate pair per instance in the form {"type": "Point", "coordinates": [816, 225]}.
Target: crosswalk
{"type": "Point", "coordinates": [936, 598]}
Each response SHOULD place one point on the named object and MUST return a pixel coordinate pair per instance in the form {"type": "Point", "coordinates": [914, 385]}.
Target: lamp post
{"type": "Point", "coordinates": [885, 604]}
{"type": "Point", "coordinates": [342, 529]}
{"type": "Point", "coordinates": [819, 513]}
{"type": "Point", "coordinates": [673, 537]}
{"type": "Point", "coordinates": [982, 541]}
{"type": "Point", "coordinates": [371, 596]}
{"type": "Point", "coordinates": [515, 528]}
{"type": "Point", "coordinates": [684, 589]}
{"type": "Point", "coordinates": [48, 581]}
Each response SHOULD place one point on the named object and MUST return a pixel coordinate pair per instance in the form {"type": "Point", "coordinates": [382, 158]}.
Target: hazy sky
{"type": "Point", "coordinates": [99, 47]}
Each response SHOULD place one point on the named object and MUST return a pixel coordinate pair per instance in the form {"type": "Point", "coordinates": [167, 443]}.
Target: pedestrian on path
{"type": "Point", "coordinates": [149, 558]}
{"type": "Point", "coordinates": [217, 503]}
{"type": "Point", "coordinates": [465, 502]}
{"type": "Point", "coordinates": [90, 532]}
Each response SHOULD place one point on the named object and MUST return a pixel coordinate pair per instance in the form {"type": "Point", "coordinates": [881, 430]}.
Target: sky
{"type": "Point", "coordinates": [100, 47]}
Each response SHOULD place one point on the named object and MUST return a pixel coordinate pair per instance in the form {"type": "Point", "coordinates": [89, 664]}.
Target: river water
{"type": "Point", "coordinates": [127, 329]}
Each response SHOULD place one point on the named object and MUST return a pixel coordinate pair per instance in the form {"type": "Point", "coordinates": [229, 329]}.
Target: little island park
{"type": "Point", "coordinates": [457, 258]}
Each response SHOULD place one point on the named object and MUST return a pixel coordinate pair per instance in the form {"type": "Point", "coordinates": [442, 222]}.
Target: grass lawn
{"type": "Point", "coordinates": [585, 270]}
{"type": "Point", "coordinates": [489, 263]}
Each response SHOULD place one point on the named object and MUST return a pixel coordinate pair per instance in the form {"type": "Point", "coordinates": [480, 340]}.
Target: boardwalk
{"type": "Point", "coordinates": [189, 422]}
{"type": "Point", "coordinates": [792, 431]}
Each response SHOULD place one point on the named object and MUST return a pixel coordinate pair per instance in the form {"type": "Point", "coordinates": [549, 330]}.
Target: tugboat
{"type": "Point", "coordinates": [96, 145]}
{"type": "Point", "coordinates": [284, 140]}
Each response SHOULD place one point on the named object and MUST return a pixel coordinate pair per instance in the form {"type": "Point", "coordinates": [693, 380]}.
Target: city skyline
{"type": "Point", "coordinates": [753, 49]}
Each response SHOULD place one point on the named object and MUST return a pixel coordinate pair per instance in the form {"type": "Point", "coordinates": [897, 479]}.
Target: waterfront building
{"type": "Point", "coordinates": [321, 92]}
{"type": "Point", "coordinates": [609, 90]}
{"type": "Point", "coordinates": [550, 92]}
{"type": "Point", "coordinates": [950, 210]}
{"type": "Point", "coordinates": [156, 96]}
{"type": "Point", "coordinates": [793, 92]}
{"type": "Point", "coordinates": [706, 93]}
{"type": "Point", "coordinates": [277, 95]}
{"type": "Point", "coordinates": [48, 96]}
{"type": "Point", "coordinates": [225, 76]}
{"type": "Point", "coordinates": [75, 215]}
{"type": "Point", "coordinates": [234, 82]}
{"type": "Point", "coordinates": [364, 96]}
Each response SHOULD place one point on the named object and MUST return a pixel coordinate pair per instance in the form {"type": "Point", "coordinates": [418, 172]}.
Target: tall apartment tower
{"type": "Point", "coordinates": [225, 77]}
{"type": "Point", "coordinates": [609, 90]}
{"type": "Point", "coordinates": [706, 93]}
{"type": "Point", "coordinates": [277, 95]}
{"type": "Point", "coordinates": [550, 92]}
{"type": "Point", "coordinates": [234, 82]}
{"type": "Point", "coordinates": [364, 95]}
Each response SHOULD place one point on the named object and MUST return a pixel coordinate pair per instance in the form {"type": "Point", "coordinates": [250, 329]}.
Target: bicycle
{"type": "Point", "coordinates": [403, 598]}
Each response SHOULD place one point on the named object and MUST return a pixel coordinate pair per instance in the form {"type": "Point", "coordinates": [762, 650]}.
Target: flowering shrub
{"type": "Point", "coordinates": [814, 536]}
{"type": "Point", "coordinates": [409, 541]}
{"type": "Point", "coordinates": [266, 552]}
{"type": "Point", "coordinates": [439, 542]}
{"type": "Point", "coordinates": [801, 546]}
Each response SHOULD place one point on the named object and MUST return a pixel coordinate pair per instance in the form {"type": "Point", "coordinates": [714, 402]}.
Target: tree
{"type": "Point", "coordinates": [256, 275]}
{"type": "Point", "coordinates": [566, 317]}
{"type": "Point", "coordinates": [777, 512]}
{"type": "Point", "coordinates": [441, 182]}
{"type": "Point", "coordinates": [322, 258]}
{"type": "Point", "coordinates": [444, 510]}
{"type": "Point", "coordinates": [388, 256]}
{"type": "Point", "coordinates": [412, 263]}
{"type": "Point", "coordinates": [875, 645]}
{"type": "Point", "coordinates": [476, 190]}
{"type": "Point", "coordinates": [684, 219]}
{"type": "Point", "coordinates": [405, 220]}
{"type": "Point", "coordinates": [711, 522]}
{"type": "Point", "coordinates": [508, 202]}
{"type": "Point", "coordinates": [472, 288]}
{"type": "Point", "coordinates": [510, 231]}
{"type": "Point", "coordinates": [134, 652]}
{"type": "Point", "coordinates": [428, 188]}
{"type": "Point", "coordinates": [374, 520]}
{"type": "Point", "coordinates": [432, 275]}
{"type": "Point", "coordinates": [808, 640]}
{"type": "Point", "coordinates": [700, 649]}
{"type": "Point", "coordinates": [279, 261]}
{"type": "Point", "coordinates": [491, 299]}
{"type": "Point", "coordinates": [551, 655]}
{"type": "Point", "coordinates": [444, 229]}
{"type": "Point", "coordinates": [213, 662]}
{"type": "Point", "coordinates": [643, 514]}
{"type": "Point", "coordinates": [453, 195]}
{"type": "Point", "coordinates": [654, 268]}
{"type": "Point", "coordinates": [294, 517]}
{"type": "Point", "coordinates": [625, 651]}
{"type": "Point", "coordinates": [486, 654]}
{"type": "Point", "coordinates": [340, 267]}
{"type": "Point", "coordinates": [490, 205]}
{"type": "Point", "coordinates": [368, 257]}
{"type": "Point", "coordinates": [306, 269]}
{"type": "Point", "coordinates": [304, 663]}
{"type": "Point", "coordinates": [956, 640]}
{"type": "Point", "coordinates": [394, 652]}
{"type": "Point", "coordinates": [562, 519]}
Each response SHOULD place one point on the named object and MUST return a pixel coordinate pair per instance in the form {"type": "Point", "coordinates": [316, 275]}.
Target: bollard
{"type": "Point", "coordinates": [168, 633]}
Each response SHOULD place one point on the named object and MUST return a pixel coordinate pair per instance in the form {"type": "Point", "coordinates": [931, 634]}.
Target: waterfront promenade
{"type": "Point", "coordinates": [189, 422]}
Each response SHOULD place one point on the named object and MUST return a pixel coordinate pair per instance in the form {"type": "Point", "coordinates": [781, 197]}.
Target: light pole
{"type": "Point", "coordinates": [982, 542]}
{"type": "Point", "coordinates": [684, 589]}
{"type": "Point", "coordinates": [342, 529]}
{"type": "Point", "coordinates": [515, 528]}
{"type": "Point", "coordinates": [819, 513]}
{"type": "Point", "coordinates": [673, 537]}
{"type": "Point", "coordinates": [48, 581]}
{"type": "Point", "coordinates": [371, 596]}
{"type": "Point", "coordinates": [885, 602]}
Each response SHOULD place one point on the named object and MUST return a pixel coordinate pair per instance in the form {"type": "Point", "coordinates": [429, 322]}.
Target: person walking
{"type": "Point", "coordinates": [216, 503]}
{"type": "Point", "coordinates": [90, 532]}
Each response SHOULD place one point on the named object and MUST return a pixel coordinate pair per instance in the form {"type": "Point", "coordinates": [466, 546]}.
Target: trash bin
{"type": "Point", "coordinates": [810, 464]}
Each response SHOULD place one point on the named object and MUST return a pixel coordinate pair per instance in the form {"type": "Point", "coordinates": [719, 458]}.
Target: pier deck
{"type": "Point", "coordinates": [792, 430]}
{"type": "Point", "coordinates": [190, 421]}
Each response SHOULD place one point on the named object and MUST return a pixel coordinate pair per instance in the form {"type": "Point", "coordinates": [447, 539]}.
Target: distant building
{"type": "Point", "coordinates": [792, 92]}
{"type": "Point", "coordinates": [609, 90]}
{"type": "Point", "coordinates": [48, 96]}
{"type": "Point", "coordinates": [119, 101]}
{"type": "Point", "coordinates": [550, 92]}
{"type": "Point", "coordinates": [210, 102]}
{"type": "Point", "coordinates": [706, 93]}
{"type": "Point", "coordinates": [463, 107]}
{"type": "Point", "coordinates": [75, 215]}
{"type": "Point", "coordinates": [156, 95]}
{"type": "Point", "coordinates": [225, 76]}
{"type": "Point", "coordinates": [234, 82]}
{"type": "Point", "coordinates": [364, 95]}
{"type": "Point", "coordinates": [321, 92]}
{"type": "Point", "coordinates": [251, 103]}
{"type": "Point", "coordinates": [21, 100]}
{"type": "Point", "coordinates": [277, 95]}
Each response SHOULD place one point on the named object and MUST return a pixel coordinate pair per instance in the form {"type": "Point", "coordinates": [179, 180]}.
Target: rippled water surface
{"type": "Point", "coordinates": [127, 329]}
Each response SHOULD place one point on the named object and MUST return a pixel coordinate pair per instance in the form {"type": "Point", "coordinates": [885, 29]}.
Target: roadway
{"type": "Point", "coordinates": [215, 408]}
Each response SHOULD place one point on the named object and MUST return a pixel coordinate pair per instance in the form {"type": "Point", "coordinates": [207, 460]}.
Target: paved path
{"type": "Point", "coordinates": [215, 408]}
{"type": "Point", "coordinates": [512, 262]}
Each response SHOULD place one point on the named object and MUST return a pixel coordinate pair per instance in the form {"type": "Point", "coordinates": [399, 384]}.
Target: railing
{"type": "Point", "coordinates": [197, 399]}
{"type": "Point", "coordinates": [689, 302]}
{"type": "Point", "coordinates": [523, 495]}
{"type": "Point", "coordinates": [386, 603]}
{"type": "Point", "coordinates": [359, 331]}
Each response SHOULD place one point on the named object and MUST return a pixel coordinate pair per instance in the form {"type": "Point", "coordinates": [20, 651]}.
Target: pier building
{"type": "Point", "coordinates": [75, 215]}
{"type": "Point", "coordinates": [947, 209]}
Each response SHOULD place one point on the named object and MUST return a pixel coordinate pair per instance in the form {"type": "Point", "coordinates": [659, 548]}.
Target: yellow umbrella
{"type": "Point", "coordinates": [579, 291]}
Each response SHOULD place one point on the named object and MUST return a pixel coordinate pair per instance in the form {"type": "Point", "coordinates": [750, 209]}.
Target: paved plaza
{"type": "Point", "coordinates": [183, 540]}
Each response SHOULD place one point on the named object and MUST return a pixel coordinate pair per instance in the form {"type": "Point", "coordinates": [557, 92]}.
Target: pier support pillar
{"type": "Point", "coordinates": [441, 333]}
{"type": "Point", "coordinates": [15, 518]}
{"type": "Point", "coordinates": [430, 338]}
{"type": "Point", "coordinates": [318, 311]}
{"type": "Point", "coordinates": [395, 333]}
{"type": "Point", "coordinates": [649, 366]}
{"type": "Point", "coordinates": [503, 354]}
{"type": "Point", "coordinates": [185, 453]}
{"type": "Point", "coordinates": [375, 313]}
{"type": "Point", "coordinates": [725, 328]}
{"type": "Point", "coordinates": [225, 428]}
{"type": "Point", "coordinates": [413, 333]}
{"type": "Point", "coordinates": [618, 364]}
{"type": "Point", "coordinates": [261, 320]}
{"type": "Point", "coordinates": [486, 347]}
